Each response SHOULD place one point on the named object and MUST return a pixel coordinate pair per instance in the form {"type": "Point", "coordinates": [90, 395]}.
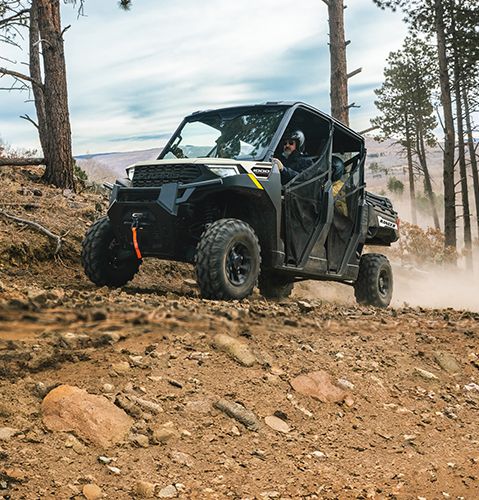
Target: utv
{"type": "Point", "coordinates": [214, 198]}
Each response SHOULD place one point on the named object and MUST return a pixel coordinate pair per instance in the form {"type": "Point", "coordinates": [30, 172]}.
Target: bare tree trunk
{"type": "Point", "coordinates": [463, 170]}
{"type": "Point", "coordinates": [59, 170]}
{"type": "Point", "coordinates": [466, 216]}
{"type": "Point", "coordinates": [427, 179]}
{"type": "Point", "coordinates": [412, 188]}
{"type": "Point", "coordinates": [35, 73]}
{"type": "Point", "coordinates": [337, 50]}
{"type": "Point", "coordinates": [448, 160]}
{"type": "Point", "coordinates": [472, 154]}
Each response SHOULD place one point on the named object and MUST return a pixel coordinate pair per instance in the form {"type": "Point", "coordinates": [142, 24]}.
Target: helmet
{"type": "Point", "coordinates": [299, 138]}
{"type": "Point", "coordinates": [337, 167]}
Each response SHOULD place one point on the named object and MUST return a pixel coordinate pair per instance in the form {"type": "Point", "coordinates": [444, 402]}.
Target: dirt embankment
{"type": "Point", "coordinates": [392, 414]}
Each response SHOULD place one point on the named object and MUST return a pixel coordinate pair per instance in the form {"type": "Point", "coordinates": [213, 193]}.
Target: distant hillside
{"type": "Point", "coordinates": [104, 167]}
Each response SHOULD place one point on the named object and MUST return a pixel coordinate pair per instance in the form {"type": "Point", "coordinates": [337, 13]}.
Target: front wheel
{"type": "Point", "coordinates": [374, 285]}
{"type": "Point", "coordinates": [228, 260]}
{"type": "Point", "coordinates": [101, 257]}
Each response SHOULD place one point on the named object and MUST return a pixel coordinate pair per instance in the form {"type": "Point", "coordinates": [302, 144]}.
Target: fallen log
{"type": "Point", "coordinates": [21, 162]}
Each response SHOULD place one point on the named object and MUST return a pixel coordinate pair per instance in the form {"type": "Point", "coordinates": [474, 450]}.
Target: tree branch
{"type": "Point", "coordinates": [353, 73]}
{"type": "Point", "coordinates": [64, 29]}
{"type": "Point", "coordinates": [21, 76]}
{"type": "Point", "coordinates": [370, 129]}
{"type": "Point", "coordinates": [20, 13]}
{"type": "Point", "coordinates": [26, 117]}
{"type": "Point", "coordinates": [38, 227]}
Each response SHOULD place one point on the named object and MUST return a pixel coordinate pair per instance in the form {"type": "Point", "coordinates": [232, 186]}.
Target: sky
{"type": "Point", "coordinates": [132, 76]}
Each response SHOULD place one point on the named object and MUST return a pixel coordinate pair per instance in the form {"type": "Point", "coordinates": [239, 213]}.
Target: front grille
{"type": "Point", "coordinates": [157, 175]}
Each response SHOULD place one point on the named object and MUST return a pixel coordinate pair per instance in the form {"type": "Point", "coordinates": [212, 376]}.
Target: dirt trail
{"type": "Point", "coordinates": [407, 430]}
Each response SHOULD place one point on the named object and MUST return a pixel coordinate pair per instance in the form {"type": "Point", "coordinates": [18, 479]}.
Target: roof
{"type": "Point", "coordinates": [285, 104]}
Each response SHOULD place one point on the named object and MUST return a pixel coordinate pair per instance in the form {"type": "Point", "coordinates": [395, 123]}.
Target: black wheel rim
{"type": "Point", "coordinates": [238, 264]}
{"type": "Point", "coordinates": [384, 283]}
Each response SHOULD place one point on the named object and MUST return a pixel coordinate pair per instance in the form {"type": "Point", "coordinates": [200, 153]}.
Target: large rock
{"type": "Point", "coordinates": [93, 418]}
{"type": "Point", "coordinates": [447, 362]}
{"type": "Point", "coordinates": [319, 385]}
{"type": "Point", "coordinates": [6, 433]}
{"type": "Point", "coordinates": [238, 350]}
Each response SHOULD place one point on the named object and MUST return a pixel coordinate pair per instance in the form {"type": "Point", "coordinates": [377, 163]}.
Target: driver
{"type": "Point", "coordinates": [292, 161]}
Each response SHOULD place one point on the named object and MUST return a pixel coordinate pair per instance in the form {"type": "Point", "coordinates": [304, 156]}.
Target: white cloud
{"type": "Point", "coordinates": [139, 72]}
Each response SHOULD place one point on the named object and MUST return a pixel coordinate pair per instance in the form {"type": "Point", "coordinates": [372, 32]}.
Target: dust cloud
{"type": "Point", "coordinates": [435, 287]}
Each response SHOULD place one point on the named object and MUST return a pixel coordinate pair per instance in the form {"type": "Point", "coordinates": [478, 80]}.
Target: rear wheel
{"type": "Point", "coordinates": [228, 260]}
{"type": "Point", "coordinates": [273, 286]}
{"type": "Point", "coordinates": [374, 285]}
{"type": "Point", "coordinates": [102, 259]}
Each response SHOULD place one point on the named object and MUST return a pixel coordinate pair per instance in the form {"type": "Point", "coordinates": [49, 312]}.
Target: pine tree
{"type": "Point", "coordinates": [407, 113]}
{"type": "Point", "coordinates": [429, 17]}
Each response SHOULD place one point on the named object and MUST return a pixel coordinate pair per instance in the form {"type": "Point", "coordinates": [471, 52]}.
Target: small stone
{"type": "Point", "coordinates": [471, 387]}
{"type": "Point", "coordinates": [140, 440]}
{"type": "Point", "coordinates": [277, 424]}
{"type": "Point", "coordinates": [113, 470]}
{"type": "Point", "coordinates": [6, 433]}
{"type": "Point", "coordinates": [143, 489]}
{"type": "Point", "coordinates": [108, 388]}
{"type": "Point", "coordinates": [276, 370]}
{"type": "Point", "coordinates": [111, 337]}
{"type": "Point", "coordinates": [137, 361]}
{"type": "Point", "coordinates": [348, 401]}
{"type": "Point", "coordinates": [447, 362]}
{"type": "Point", "coordinates": [163, 433]}
{"type": "Point", "coordinates": [41, 390]}
{"type": "Point", "coordinates": [168, 492]}
{"type": "Point", "coordinates": [409, 437]}
{"type": "Point", "coordinates": [318, 454]}
{"type": "Point", "coordinates": [92, 492]}
{"type": "Point", "coordinates": [73, 340]}
{"type": "Point", "coordinates": [345, 384]}
{"type": "Point", "coordinates": [238, 350]}
{"type": "Point", "coordinates": [72, 442]}
{"type": "Point", "coordinates": [425, 374]}
{"type": "Point", "coordinates": [99, 315]}
{"type": "Point", "coordinates": [320, 385]}
{"type": "Point", "coordinates": [104, 460]}
{"type": "Point", "coordinates": [305, 306]}
{"type": "Point", "coordinates": [121, 367]}
{"type": "Point", "coordinates": [189, 282]}
{"type": "Point", "coordinates": [181, 458]}
{"type": "Point", "coordinates": [14, 474]}
{"type": "Point", "coordinates": [234, 431]}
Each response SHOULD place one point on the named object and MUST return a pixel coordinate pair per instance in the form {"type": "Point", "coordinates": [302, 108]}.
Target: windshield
{"type": "Point", "coordinates": [245, 135]}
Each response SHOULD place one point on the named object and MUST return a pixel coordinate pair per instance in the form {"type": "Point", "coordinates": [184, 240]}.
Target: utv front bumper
{"type": "Point", "coordinates": [158, 214]}
{"type": "Point", "coordinates": [169, 219]}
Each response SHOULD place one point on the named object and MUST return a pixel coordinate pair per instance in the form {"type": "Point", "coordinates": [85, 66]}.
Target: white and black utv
{"type": "Point", "coordinates": [214, 198]}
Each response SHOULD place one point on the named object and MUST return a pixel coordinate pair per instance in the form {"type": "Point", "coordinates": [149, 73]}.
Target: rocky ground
{"type": "Point", "coordinates": [150, 391]}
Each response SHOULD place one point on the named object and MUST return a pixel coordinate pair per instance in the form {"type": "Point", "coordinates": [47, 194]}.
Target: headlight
{"type": "Point", "coordinates": [223, 170]}
{"type": "Point", "coordinates": [130, 172]}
